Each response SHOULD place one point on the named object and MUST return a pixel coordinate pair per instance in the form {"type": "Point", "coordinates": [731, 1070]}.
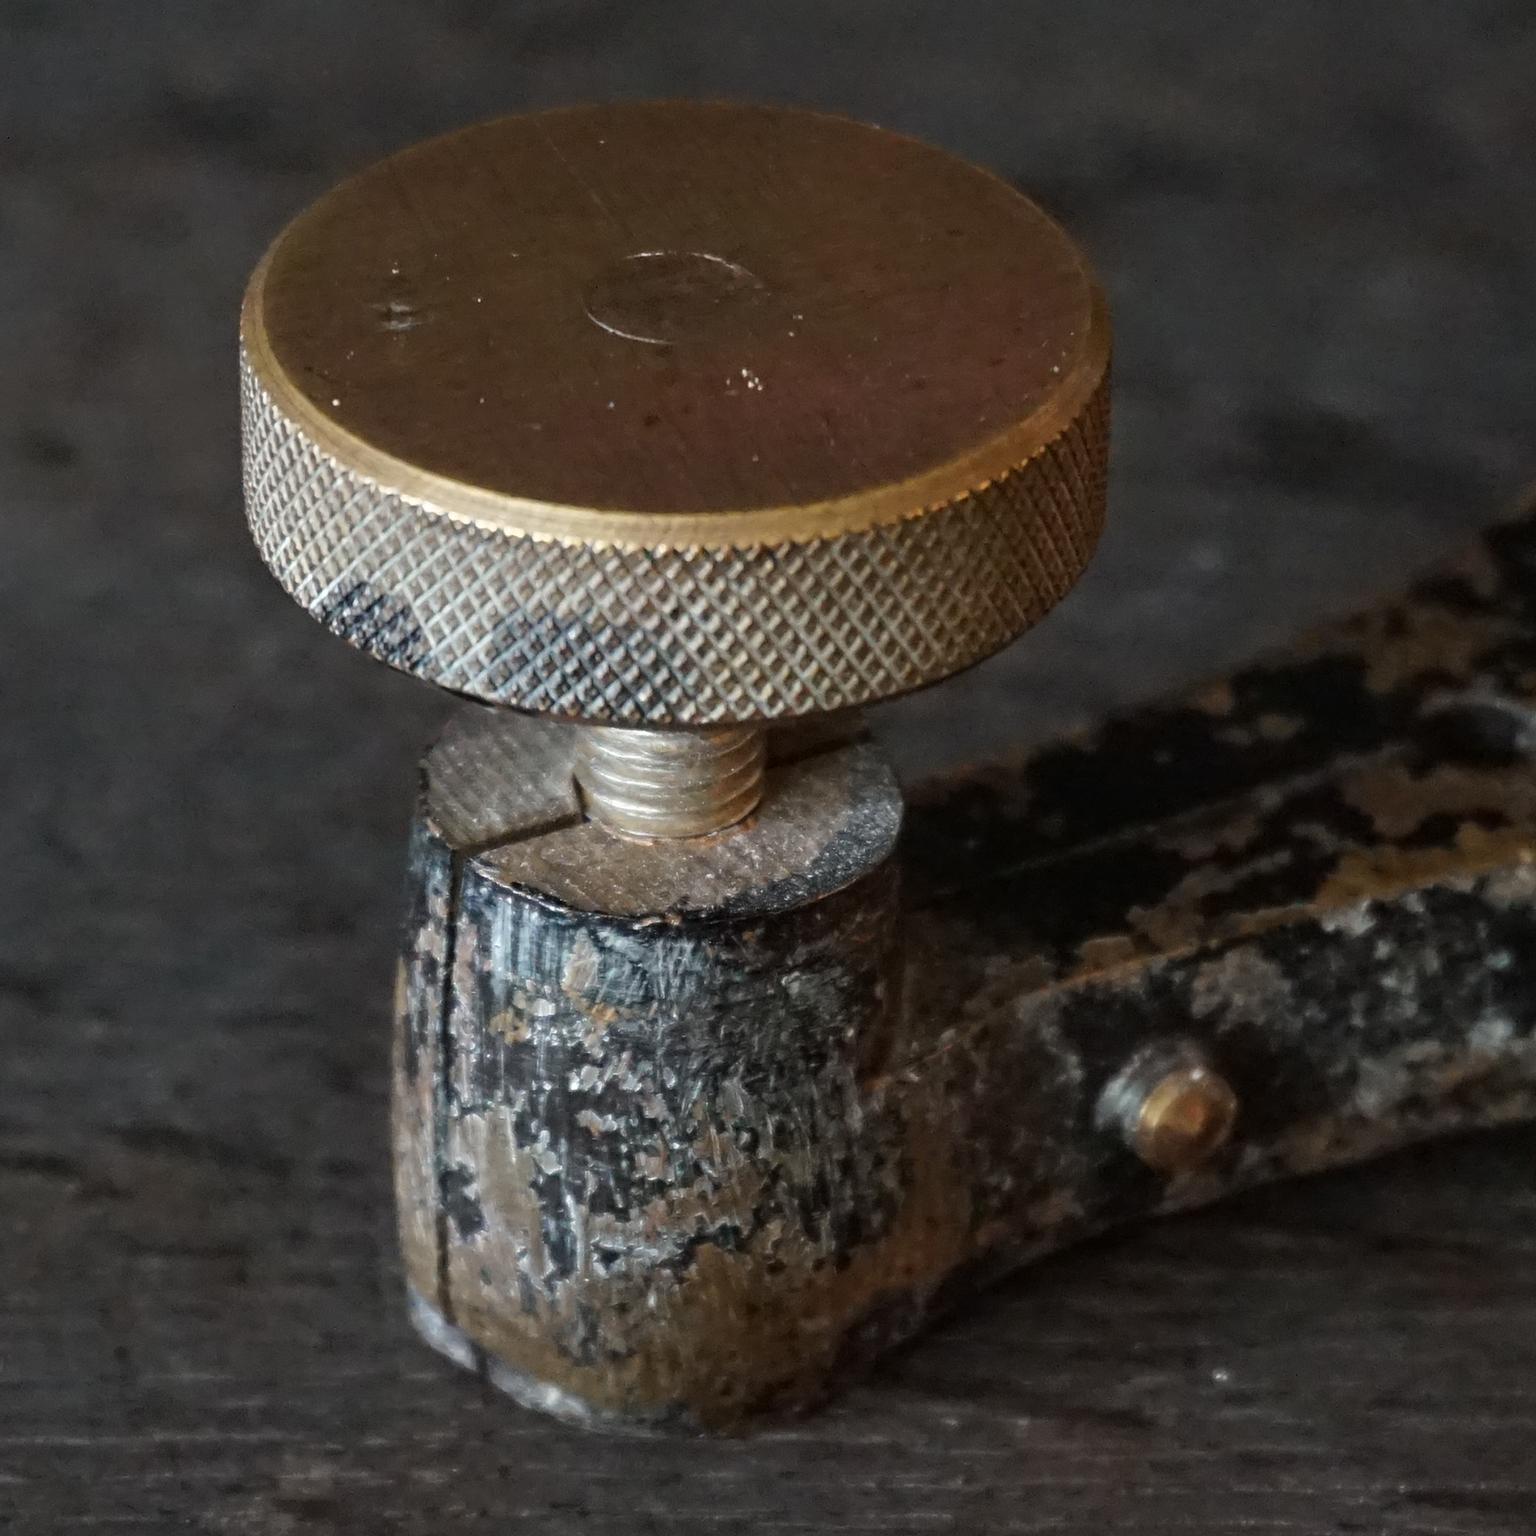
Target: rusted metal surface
{"type": "Point", "coordinates": [753, 1161]}
{"type": "Point", "coordinates": [619, 1068]}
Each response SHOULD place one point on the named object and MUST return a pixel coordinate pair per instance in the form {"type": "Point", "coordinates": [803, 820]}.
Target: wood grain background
{"type": "Point", "coordinates": [1318, 226]}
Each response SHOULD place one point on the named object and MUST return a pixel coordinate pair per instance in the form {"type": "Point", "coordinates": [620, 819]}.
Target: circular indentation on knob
{"type": "Point", "coordinates": [840, 328]}
{"type": "Point", "coordinates": [666, 297]}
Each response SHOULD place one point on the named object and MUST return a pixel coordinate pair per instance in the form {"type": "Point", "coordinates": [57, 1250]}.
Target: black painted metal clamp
{"type": "Point", "coordinates": [718, 1069]}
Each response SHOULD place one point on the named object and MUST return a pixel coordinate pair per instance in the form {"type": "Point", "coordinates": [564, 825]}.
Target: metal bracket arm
{"type": "Point", "coordinates": [691, 1169]}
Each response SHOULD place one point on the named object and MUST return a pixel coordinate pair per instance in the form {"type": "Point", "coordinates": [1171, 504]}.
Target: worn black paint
{"type": "Point", "coordinates": [1318, 875]}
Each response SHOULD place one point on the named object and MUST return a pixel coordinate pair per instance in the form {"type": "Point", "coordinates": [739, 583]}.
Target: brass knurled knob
{"type": "Point", "coordinates": [665, 414]}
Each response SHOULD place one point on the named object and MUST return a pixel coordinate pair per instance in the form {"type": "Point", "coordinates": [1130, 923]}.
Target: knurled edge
{"type": "Point", "coordinates": [671, 634]}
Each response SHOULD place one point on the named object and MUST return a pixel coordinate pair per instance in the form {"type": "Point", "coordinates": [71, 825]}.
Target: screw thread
{"type": "Point", "coordinates": [647, 783]}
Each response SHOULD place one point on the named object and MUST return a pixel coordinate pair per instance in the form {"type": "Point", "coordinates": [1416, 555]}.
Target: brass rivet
{"type": "Point", "coordinates": [1184, 1119]}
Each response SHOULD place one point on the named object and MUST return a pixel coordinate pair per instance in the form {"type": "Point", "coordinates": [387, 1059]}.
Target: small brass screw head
{"type": "Point", "coordinates": [1183, 1119]}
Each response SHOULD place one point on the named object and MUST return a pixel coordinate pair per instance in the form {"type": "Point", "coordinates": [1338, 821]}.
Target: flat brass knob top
{"type": "Point", "coordinates": [671, 413]}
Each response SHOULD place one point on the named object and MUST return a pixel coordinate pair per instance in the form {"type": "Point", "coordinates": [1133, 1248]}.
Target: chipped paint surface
{"type": "Point", "coordinates": [690, 1168]}
{"type": "Point", "coordinates": [620, 1136]}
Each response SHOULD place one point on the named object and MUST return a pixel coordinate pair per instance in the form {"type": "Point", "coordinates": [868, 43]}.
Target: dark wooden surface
{"type": "Point", "coordinates": [1317, 225]}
